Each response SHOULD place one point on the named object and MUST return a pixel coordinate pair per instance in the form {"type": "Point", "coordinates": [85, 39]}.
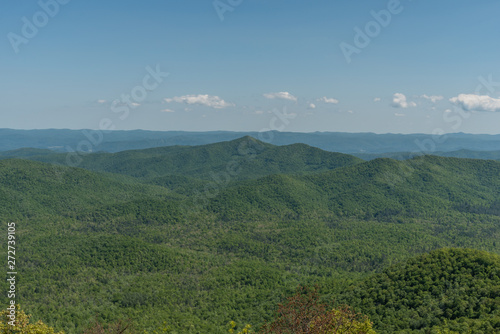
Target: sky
{"type": "Point", "coordinates": [408, 66]}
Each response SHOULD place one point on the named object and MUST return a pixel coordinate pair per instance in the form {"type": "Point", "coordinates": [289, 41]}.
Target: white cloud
{"type": "Point", "coordinates": [350, 111]}
{"type": "Point", "coordinates": [399, 101]}
{"type": "Point", "coordinates": [377, 99]}
{"type": "Point", "coordinates": [168, 110]}
{"type": "Point", "coordinates": [311, 106]}
{"type": "Point", "coordinates": [135, 105]}
{"type": "Point", "coordinates": [206, 100]}
{"type": "Point", "coordinates": [281, 95]}
{"type": "Point", "coordinates": [399, 115]}
{"type": "Point", "coordinates": [473, 102]}
{"type": "Point", "coordinates": [101, 101]}
{"type": "Point", "coordinates": [328, 100]}
{"type": "Point", "coordinates": [447, 110]}
{"type": "Point", "coordinates": [259, 112]}
{"type": "Point", "coordinates": [433, 98]}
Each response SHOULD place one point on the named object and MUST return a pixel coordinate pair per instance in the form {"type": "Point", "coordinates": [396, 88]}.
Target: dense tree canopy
{"type": "Point", "coordinates": [161, 243]}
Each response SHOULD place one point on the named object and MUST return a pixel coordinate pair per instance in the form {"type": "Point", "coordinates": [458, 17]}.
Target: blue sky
{"type": "Point", "coordinates": [429, 67]}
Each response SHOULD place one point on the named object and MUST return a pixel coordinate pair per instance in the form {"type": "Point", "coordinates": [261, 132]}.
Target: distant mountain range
{"type": "Point", "coordinates": [469, 154]}
{"type": "Point", "coordinates": [115, 141]}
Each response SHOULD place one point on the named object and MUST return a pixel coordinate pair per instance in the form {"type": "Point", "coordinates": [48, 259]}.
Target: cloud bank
{"type": "Point", "coordinates": [281, 95]}
{"type": "Point", "coordinates": [206, 100]}
{"type": "Point", "coordinates": [473, 102]}
{"type": "Point", "coordinates": [399, 101]}
{"type": "Point", "coordinates": [328, 100]}
{"type": "Point", "coordinates": [433, 98]}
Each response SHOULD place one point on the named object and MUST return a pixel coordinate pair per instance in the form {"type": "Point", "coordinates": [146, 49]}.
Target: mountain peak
{"type": "Point", "coordinates": [248, 141]}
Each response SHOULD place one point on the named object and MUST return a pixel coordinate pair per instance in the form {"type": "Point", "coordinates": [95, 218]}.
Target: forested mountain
{"type": "Point", "coordinates": [469, 154]}
{"type": "Point", "coordinates": [33, 189]}
{"type": "Point", "coordinates": [25, 153]}
{"type": "Point", "coordinates": [243, 158]}
{"type": "Point", "coordinates": [163, 241]}
{"type": "Point", "coordinates": [379, 189]}
{"type": "Point", "coordinates": [455, 289]}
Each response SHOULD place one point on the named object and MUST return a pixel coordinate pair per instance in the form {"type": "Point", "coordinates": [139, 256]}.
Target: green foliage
{"type": "Point", "coordinates": [244, 158]}
{"type": "Point", "coordinates": [305, 313]}
{"type": "Point", "coordinates": [22, 323]}
{"type": "Point", "coordinates": [448, 289]}
{"type": "Point", "coordinates": [244, 330]}
{"type": "Point", "coordinates": [153, 246]}
{"type": "Point", "coordinates": [463, 153]}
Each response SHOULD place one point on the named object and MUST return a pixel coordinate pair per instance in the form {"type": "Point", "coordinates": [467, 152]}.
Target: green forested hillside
{"type": "Point", "coordinates": [183, 249]}
{"type": "Point", "coordinates": [381, 189]}
{"type": "Point", "coordinates": [26, 152]}
{"type": "Point", "coordinates": [467, 154]}
{"type": "Point", "coordinates": [30, 189]}
{"type": "Point", "coordinates": [456, 289]}
{"type": "Point", "coordinates": [242, 158]}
